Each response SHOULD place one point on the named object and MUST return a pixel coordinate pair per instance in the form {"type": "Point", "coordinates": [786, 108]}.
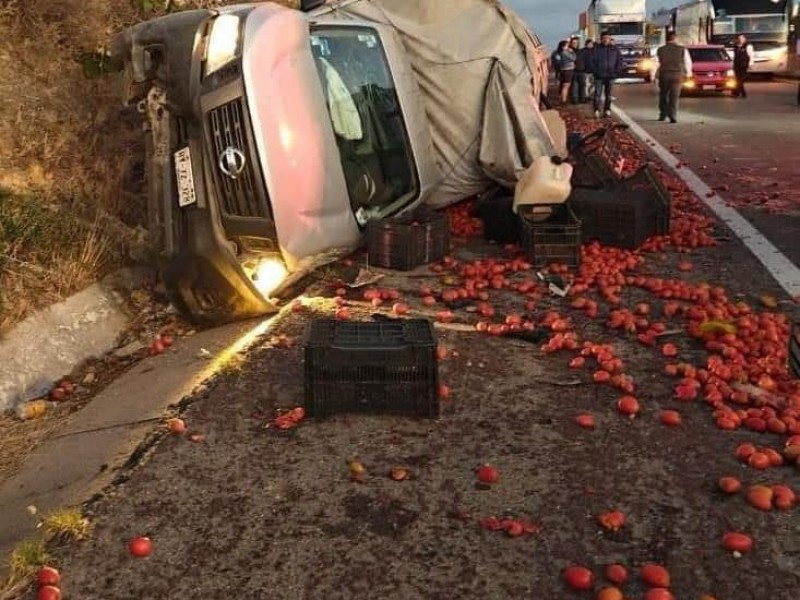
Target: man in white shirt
{"type": "Point", "coordinates": [674, 66]}
{"type": "Point", "coordinates": [742, 58]}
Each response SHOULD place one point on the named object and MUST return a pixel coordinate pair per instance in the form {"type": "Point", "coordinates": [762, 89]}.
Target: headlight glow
{"type": "Point", "coordinates": [268, 274]}
{"type": "Point", "coordinates": [689, 84]}
{"type": "Point", "coordinates": [730, 73]}
{"type": "Point", "coordinates": [647, 64]}
{"type": "Point", "coordinates": [223, 42]}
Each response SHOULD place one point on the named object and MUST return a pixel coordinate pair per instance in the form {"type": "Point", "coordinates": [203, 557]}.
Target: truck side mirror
{"type": "Point", "coordinates": [308, 5]}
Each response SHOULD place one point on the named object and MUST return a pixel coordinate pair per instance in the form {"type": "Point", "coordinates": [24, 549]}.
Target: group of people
{"type": "Point", "coordinates": [591, 69]}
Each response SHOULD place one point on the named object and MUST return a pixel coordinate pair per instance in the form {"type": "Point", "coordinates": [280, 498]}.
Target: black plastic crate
{"type": "Point", "coordinates": [647, 184]}
{"type": "Point", "coordinates": [592, 171]}
{"type": "Point", "coordinates": [556, 239]}
{"type": "Point", "coordinates": [380, 367]}
{"type": "Point", "coordinates": [794, 351]}
{"type": "Point", "coordinates": [626, 215]}
{"type": "Point", "coordinates": [500, 223]}
{"type": "Point", "coordinates": [408, 241]}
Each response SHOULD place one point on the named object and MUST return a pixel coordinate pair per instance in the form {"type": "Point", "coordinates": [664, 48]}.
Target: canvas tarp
{"type": "Point", "coordinates": [481, 75]}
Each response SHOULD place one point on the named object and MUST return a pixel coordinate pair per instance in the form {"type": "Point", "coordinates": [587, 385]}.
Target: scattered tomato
{"type": "Point", "coordinates": [610, 593]}
{"type": "Point", "coordinates": [487, 474]}
{"type": "Point", "coordinates": [177, 426]}
{"type": "Point", "coordinates": [48, 576]}
{"type": "Point", "coordinates": [613, 520]}
{"type": "Point", "coordinates": [655, 575]}
{"type": "Point", "coordinates": [140, 547]}
{"type": "Point", "coordinates": [586, 421]}
{"type": "Point", "coordinates": [730, 485]}
{"type": "Point", "coordinates": [578, 577]}
{"type": "Point", "coordinates": [737, 542]}
{"type": "Point", "coordinates": [670, 418]}
{"type": "Point", "coordinates": [48, 592]}
{"type": "Point", "coordinates": [628, 405]}
{"type": "Point", "coordinates": [399, 474]}
{"type": "Point", "coordinates": [617, 573]}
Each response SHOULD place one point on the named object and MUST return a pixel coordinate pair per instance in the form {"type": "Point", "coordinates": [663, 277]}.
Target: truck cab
{"type": "Point", "coordinates": [274, 135]}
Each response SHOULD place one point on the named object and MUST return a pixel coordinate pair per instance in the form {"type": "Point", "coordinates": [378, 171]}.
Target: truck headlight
{"type": "Point", "coordinates": [647, 64]}
{"type": "Point", "coordinates": [267, 274]}
{"type": "Point", "coordinates": [223, 42]}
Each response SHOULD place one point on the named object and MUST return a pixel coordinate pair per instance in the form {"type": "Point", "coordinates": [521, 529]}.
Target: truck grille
{"type": "Point", "coordinates": [228, 129]}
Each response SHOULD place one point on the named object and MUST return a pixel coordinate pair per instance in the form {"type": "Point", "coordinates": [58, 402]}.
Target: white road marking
{"type": "Point", "coordinates": [785, 272]}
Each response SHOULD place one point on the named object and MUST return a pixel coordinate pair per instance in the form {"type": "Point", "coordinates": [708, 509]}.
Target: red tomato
{"type": "Point", "coordinates": [617, 573]}
{"type": "Point", "coordinates": [48, 576]}
{"type": "Point", "coordinates": [737, 542]}
{"type": "Point", "coordinates": [487, 474]}
{"type": "Point", "coordinates": [730, 485]}
{"type": "Point", "coordinates": [140, 547]}
{"type": "Point", "coordinates": [610, 593]}
{"type": "Point", "coordinates": [628, 405]}
{"type": "Point", "coordinates": [613, 521]}
{"type": "Point", "coordinates": [177, 426]}
{"type": "Point", "coordinates": [578, 577]}
{"type": "Point", "coordinates": [655, 575]}
{"type": "Point", "coordinates": [585, 421]}
{"type": "Point", "coordinates": [670, 418]}
{"type": "Point", "coordinates": [48, 592]}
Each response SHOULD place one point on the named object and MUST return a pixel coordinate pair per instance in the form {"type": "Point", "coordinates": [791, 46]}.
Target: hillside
{"type": "Point", "coordinates": [71, 183]}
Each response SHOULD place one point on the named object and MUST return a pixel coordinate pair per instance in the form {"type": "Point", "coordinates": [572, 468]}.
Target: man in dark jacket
{"type": "Point", "coordinates": [674, 66]}
{"type": "Point", "coordinates": [742, 57]}
{"type": "Point", "coordinates": [580, 81]}
{"type": "Point", "coordinates": [606, 65]}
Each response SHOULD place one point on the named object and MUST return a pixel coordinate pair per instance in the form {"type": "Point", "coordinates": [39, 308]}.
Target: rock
{"type": "Point", "coordinates": [204, 354]}
{"type": "Point", "coordinates": [89, 379]}
{"type": "Point", "coordinates": [129, 349]}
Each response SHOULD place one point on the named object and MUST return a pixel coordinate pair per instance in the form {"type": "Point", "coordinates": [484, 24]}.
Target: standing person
{"type": "Point", "coordinates": [606, 66]}
{"type": "Point", "coordinates": [674, 65]}
{"type": "Point", "coordinates": [555, 61]}
{"type": "Point", "coordinates": [742, 57]}
{"type": "Point", "coordinates": [566, 69]}
{"type": "Point", "coordinates": [578, 90]}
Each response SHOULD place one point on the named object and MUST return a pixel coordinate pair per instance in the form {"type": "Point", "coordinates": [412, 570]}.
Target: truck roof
{"type": "Point", "coordinates": [750, 7]}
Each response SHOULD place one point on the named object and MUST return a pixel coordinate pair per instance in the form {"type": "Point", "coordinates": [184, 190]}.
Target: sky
{"type": "Point", "coordinates": [553, 20]}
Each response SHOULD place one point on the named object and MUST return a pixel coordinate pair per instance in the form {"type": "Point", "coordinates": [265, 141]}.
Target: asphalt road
{"type": "Point", "coordinates": [746, 149]}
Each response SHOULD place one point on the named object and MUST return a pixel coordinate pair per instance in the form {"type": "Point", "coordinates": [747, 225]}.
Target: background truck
{"type": "Point", "coordinates": [625, 20]}
{"type": "Point", "coordinates": [764, 22]}
{"type": "Point", "coordinates": [691, 22]}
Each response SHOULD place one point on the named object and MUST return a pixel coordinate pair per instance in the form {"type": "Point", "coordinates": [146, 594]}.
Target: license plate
{"type": "Point", "coordinates": [184, 177]}
{"type": "Point", "coordinates": [709, 87]}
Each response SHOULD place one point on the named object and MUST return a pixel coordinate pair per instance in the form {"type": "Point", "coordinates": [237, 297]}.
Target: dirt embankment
{"type": "Point", "coordinates": [71, 172]}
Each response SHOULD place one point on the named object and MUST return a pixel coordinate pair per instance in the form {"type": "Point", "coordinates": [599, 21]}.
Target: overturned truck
{"type": "Point", "coordinates": [275, 135]}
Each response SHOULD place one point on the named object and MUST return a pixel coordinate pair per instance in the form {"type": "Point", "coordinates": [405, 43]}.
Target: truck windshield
{"type": "Point", "coordinates": [616, 29]}
{"type": "Point", "coordinates": [367, 120]}
{"type": "Point", "coordinates": [770, 24]}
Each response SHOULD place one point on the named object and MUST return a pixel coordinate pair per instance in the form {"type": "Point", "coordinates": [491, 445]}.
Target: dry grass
{"type": "Point", "coordinates": [67, 525]}
{"type": "Point", "coordinates": [24, 562]}
{"type": "Point", "coordinates": [67, 146]}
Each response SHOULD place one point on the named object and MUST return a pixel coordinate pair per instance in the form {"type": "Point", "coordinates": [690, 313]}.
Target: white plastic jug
{"type": "Point", "coordinates": [546, 181]}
